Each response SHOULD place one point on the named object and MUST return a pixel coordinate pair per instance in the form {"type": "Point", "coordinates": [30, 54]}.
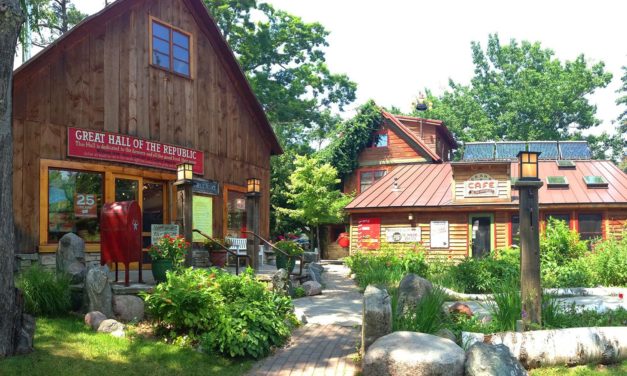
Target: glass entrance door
{"type": "Point", "coordinates": [481, 235]}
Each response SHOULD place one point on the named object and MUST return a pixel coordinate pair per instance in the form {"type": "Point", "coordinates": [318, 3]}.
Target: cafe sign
{"type": "Point", "coordinates": [481, 188]}
{"type": "Point", "coordinates": [403, 234]}
{"type": "Point", "coordinates": [105, 146]}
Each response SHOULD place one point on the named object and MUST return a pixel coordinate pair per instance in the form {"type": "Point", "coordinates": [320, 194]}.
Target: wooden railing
{"type": "Point", "coordinates": [301, 258]}
{"type": "Point", "coordinates": [229, 251]}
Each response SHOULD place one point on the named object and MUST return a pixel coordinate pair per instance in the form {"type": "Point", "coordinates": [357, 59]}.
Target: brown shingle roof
{"type": "Point", "coordinates": [429, 185]}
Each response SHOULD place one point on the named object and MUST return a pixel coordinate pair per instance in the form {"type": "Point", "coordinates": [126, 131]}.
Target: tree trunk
{"type": "Point", "coordinates": [10, 301]}
{"type": "Point", "coordinates": [318, 241]}
{"type": "Point", "coordinates": [570, 347]}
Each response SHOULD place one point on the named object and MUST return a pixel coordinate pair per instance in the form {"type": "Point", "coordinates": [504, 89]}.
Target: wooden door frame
{"type": "Point", "coordinates": [471, 216]}
{"type": "Point", "coordinates": [225, 200]}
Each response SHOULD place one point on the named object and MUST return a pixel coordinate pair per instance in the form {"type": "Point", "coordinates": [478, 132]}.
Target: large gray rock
{"type": "Point", "coordinates": [309, 257]}
{"type": "Point", "coordinates": [128, 308]}
{"type": "Point", "coordinates": [314, 271]}
{"type": "Point", "coordinates": [281, 283]}
{"type": "Point", "coordinates": [112, 327]}
{"type": "Point", "coordinates": [376, 315]}
{"type": "Point", "coordinates": [446, 333]}
{"type": "Point", "coordinates": [411, 290]}
{"type": "Point", "coordinates": [26, 336]}
{"type": "Point", "coordinates": [98, 290]}
{"type": "Point", "coordinates": [94, 319]}
{"type": "Point", "coordinates": [70, 257]}
{"type": "Point", "coordinates": [312, 288]}
{"type": "Point", "coordinates": [415, 354]}
{"type": "Point", "coordinates": [486, 360]}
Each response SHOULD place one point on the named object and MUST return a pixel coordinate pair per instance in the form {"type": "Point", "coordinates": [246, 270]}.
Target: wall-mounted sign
{"type": "Point", "coordinates": [206, 187]}
{"type": "Point", "coordinates": [85, 205]}
{"type": "Point", "coordinates": [240, 204]}
{"type": "Point", "coordinates": [202, 208]}
{"type": "Point", "coordinates": [159, 231]}
{"type": "Point", "coordinates": [439, 234]}
{"type": "Point", "coordinates": [369, 233]}
{"type": "Point", "coordinates": [105, 146]}
{"type": "Point", "coordinates": [403, 234]}
{"type": "Point", "coordinates": [481, 188]}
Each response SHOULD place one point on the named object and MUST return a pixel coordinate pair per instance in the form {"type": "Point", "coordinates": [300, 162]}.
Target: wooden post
{"type": "Point", "coordinates": [184, 197]}
{"type": "Point", "coordinates": [252, 224]}
{"type": "Point", "coordinates": [530, 287]}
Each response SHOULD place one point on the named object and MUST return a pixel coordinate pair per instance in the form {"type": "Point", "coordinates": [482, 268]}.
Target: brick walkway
{"type": "Point", "coordinates": [328, 344]}
{"type": "Point", "coordinates": [314, 350]}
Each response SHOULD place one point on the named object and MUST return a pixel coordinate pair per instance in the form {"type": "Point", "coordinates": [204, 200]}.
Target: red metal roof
{"type": "Point", "coordinates": [430, 185]}
{"type": "Point", "coordinates": [424, 149]}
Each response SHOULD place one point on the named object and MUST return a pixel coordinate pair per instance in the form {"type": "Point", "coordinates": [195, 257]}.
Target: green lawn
{"type": "Point", "coordinates": [65, 346]}
{"type": "Point", "coordinates": [589, 370]}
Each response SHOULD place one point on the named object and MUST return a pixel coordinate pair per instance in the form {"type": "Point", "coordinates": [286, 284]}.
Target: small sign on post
{"type": "Point", "coordinates": [159, 231]}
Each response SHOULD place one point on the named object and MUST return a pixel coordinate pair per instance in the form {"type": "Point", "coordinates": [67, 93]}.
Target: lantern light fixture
{"type": "Point", "coordinates": [184, 172]}
{"type": "Point", "coordinates": [253, 186]}
{"type": "Point", "coordinates": [410, 217]}
{"type": "Point", "coordinates": [528, 165]}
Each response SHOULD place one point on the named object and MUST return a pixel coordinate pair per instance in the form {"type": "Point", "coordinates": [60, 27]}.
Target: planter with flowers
{"type": "Point", "coordinates": [217, 252]}
{"type": "Point", "coordinates": [167, 254]}
{"type": "Point", "coordinates": [287, 259]}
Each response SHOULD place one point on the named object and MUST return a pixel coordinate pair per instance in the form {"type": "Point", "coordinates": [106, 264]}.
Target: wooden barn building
{"type": "Point", "coordinates": [108, 111]}
{"type": "Point", "coordinates": [470, 207]}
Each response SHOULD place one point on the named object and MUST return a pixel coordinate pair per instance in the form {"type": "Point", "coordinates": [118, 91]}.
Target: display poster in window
{"type": "Point", "coordinates": [202, 207]}
{"type": "Point", "coordinates": [403, 234]}
{"type": "Point", "coordinates": [85, 205]}
{"type": "Point", "coordinates": [369, 233]}
{"type": "Point", "coordinates": [439, 234]}
{"type": "Point", "coordinates": [159, 231]}
{"type": "Point", "coordinates": [240, 203]}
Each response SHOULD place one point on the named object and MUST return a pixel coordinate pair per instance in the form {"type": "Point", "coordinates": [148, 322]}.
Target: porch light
{"type": "Point", "coordinates": [253, 186]}
{"type": "Point", "coordinates": [184, 172]}
{"type": "Point", "coordinates": [528, 165]}
{"type": "Point", "coordinates": [410, 217]}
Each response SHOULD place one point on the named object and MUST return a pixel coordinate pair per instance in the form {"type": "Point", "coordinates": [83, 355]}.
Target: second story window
{"type": "Point", "coordinates": [170, 48]}
{"type": "Point", "coordinates": [368, 178]}
{"type": "Point", "coordinates": [379, 139]}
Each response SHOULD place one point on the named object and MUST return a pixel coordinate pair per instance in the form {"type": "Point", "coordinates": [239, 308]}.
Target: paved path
{"type": "Point", "coordinates": [327, 344]}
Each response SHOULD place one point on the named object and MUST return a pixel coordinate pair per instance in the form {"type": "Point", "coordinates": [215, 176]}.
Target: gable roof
{"type": "Point", "coordinates": [414, 141]}
{"type": "Point", "coordinates": [209, 27]}
{"type": "Point", "coordinates": [429, 185]}
{"type": "Point", "coordinates": [439, 126]}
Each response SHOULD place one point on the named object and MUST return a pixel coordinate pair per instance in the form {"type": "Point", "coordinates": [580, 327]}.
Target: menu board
{"type": "Point", "coordinates": [439, 234]}
{"type": "Point", "coordinates": [159, 231]}
{"type": "Point", "coordinates": [202, 207]}
{"type": "Point", "coordinates": [369, 233]}
{"type": "Point", "coordinates": [403, 234]}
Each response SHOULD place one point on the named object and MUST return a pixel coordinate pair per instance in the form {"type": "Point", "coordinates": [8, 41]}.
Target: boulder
{"type": "Point", "coordinates": [70, 257]}
{"type": "Point", "coordinates": [410, 291]}
{"type": "Point", "coordinates": [460, 309]}
{"type": "Point", "coordinates": [446, 333]}
{"type": "Point", "coordinates": [314, 271]}
{"type": "Point", "coordinates": [486, 360]}
{"type": "Point", "coordinates": [26, 336]}
{"type": "Point", "coordinates": [309, 257]}
{"type": "Point", "coordinates": [113, 327]}
{"type": "Point", "coordinates": [94, 319]}
{"type": "Point", "coordinates": [281, 282]}
{"type": "Point", "coordinates": [98, 290]}
{"type": "Point", "coordinates": [128, 308]}
{"type": "Point", "coordinates": [415, 354]}
{"type": "Point", "coordinates": [300, 315]}
{"type": "Point", "coordinates": [376, 315]}
{"type": "Point", "coordinates": [312, 288]}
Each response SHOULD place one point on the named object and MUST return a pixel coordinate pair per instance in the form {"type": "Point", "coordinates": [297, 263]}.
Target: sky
{"type": "Point", "coordinates": [393, 49]}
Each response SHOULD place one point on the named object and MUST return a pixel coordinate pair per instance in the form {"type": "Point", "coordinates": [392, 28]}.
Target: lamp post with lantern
{"type": "Point", "coordinates": [253, 194]}
{"type": "Point", "coordinates": [184, 196]}
{"type": "Point", "coordinates": [528, 184]}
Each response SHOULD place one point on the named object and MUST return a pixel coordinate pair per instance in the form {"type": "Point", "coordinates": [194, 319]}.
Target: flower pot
{"type": "Point", "coordinates": [285, 262]}
{"type": "Point", "coordinates": [159, 269]}
{"type": "Point", "coordinates": [218, 257]}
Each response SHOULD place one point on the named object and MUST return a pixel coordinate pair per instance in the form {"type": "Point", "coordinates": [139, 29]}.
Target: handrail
{"type": "Point", "coordinates": [237, 256]}
{"type": "Point", "coordinates": [301, 258]}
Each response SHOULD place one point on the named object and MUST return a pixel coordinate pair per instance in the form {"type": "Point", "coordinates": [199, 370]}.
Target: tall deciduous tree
{"type": "Point", "coordinates": [520, 91]}
{"type": "Point", "coordinates": [10, 312]}
{"type": "Point", "coordinates": [313, 192]}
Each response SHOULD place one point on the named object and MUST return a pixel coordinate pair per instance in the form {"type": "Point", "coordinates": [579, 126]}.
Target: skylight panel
{"type": "Point", "coordinates": [557, 182]}
{"type": "Point", "coordinates": [595, 181]}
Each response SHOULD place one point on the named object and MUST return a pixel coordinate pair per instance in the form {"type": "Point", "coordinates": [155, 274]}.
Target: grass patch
{"type": "Point", "coordinates": [65, 346]}
{"type": "Point", "coordinates": [590, 369]}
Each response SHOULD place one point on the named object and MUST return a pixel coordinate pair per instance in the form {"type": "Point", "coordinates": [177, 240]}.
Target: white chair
{"type": "Point", "coordinates": [238, 245]}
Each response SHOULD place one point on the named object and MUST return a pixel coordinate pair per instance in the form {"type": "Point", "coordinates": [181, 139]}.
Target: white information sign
{"type": "Point", "coordinates": [158, 231]}
{"type": "Point", "coordinates": [403, 234]}
{"type": "Point", "coordinates": [481, 188]}
{"type": "Point", "coordinates": [439, 234]}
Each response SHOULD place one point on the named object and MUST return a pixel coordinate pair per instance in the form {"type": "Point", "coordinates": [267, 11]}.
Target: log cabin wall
{"type": "Point", "coordinates": [100, 78]}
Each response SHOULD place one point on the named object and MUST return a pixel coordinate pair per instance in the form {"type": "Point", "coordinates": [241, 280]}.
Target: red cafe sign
{"type": "Point", "coordinates": [105, 146]}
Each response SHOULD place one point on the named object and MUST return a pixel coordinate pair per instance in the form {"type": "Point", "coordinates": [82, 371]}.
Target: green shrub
{"type": "Point", "coordinates": [481, 275]}
{"type": "Point", "coordinates": [45, 293]}
{"type": "Point", "coordinates": [506, 307]}
{"type": "Point", "coordinates": [386, 267]}
{"type": "Point", "coordinates": [232, 315]}
{"type": "Point", "coordinates": [559, 244]}
{"type": "Point", "coordinates": [574, 273]}
{"type": "Point", "coordinates": [427, 316]}
{"type": "Point", "coordinates": [608, 262]}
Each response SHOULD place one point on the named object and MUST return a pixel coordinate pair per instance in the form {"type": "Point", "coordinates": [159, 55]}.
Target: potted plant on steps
{"type": "Point", "coordinates": [167, 254]}
{"type": "Point", "coordinates": [287, 259]}
{"type": "Point", "coordinates": [217, 253]}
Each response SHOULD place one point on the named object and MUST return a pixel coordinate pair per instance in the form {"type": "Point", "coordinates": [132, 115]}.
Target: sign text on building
{"type": "Point", "coordinates": [369, 233]}
{"type": "Point", "coordinates": [481, 188]}
{"type": "Point", "coordinates": [84, 143]}
{"type": "Point", "coordinates": [403, 234]}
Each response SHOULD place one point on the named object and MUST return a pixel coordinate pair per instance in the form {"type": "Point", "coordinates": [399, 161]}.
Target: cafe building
{"type": "Point", "coordinates": [470, 207]}
{"type": "Point", "coordinates": [110, 110]}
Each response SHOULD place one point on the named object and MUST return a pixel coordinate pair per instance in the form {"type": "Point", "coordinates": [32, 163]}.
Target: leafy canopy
{"type": "Point", "coordinates": [48, 19]}
{"type": "Point", "coordinates": [520, 91]}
